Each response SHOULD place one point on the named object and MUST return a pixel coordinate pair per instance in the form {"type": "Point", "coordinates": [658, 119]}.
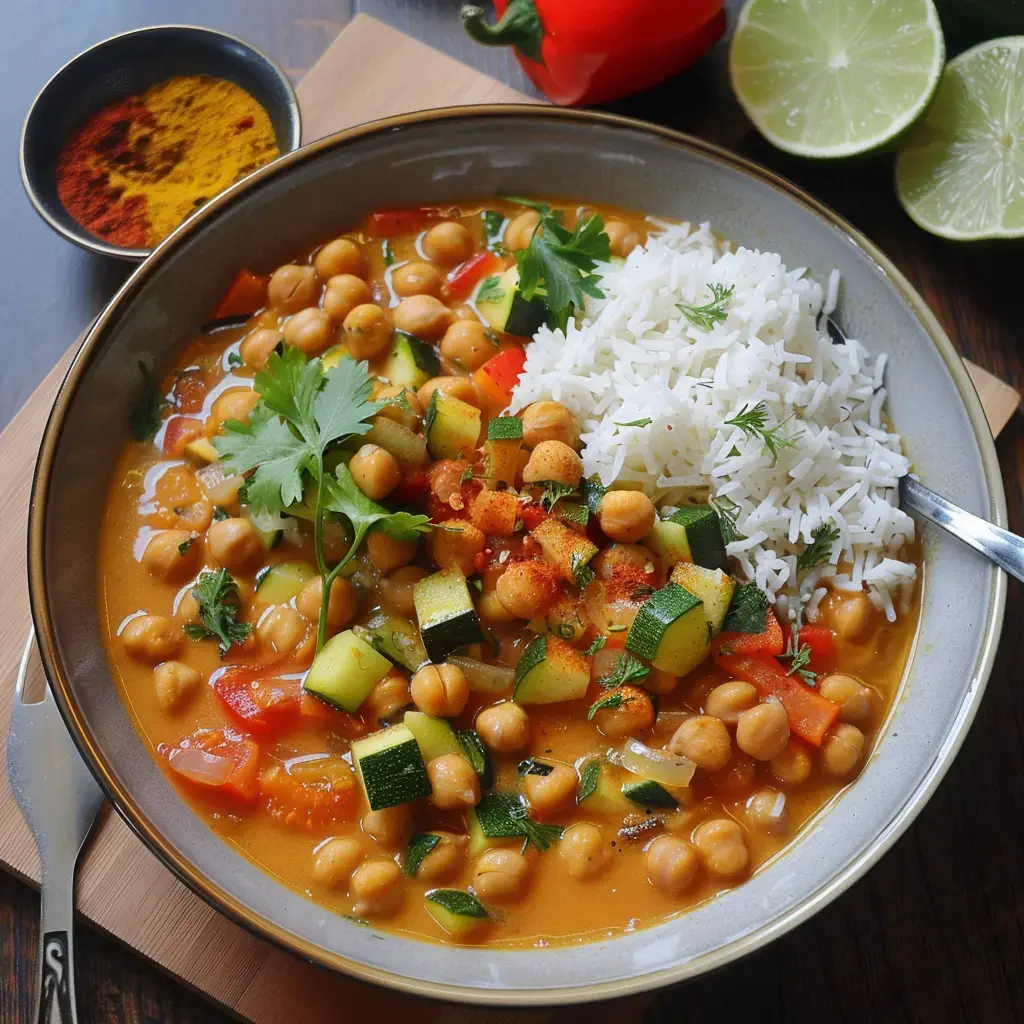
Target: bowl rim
{"type": "Point", "coordinates": [83, 237]}
{"type": "Point", "coordinates": [266, 929]}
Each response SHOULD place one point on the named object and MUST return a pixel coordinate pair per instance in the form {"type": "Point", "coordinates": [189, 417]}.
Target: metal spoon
{"type": "Point", "coordinates": [1000, 546]}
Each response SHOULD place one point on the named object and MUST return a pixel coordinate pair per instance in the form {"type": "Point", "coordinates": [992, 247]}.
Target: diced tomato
{"type": "Point", "coordinates": [189, 391]}
{"type": "Point", "coordinates": [351, 727]}
{"type": "Point", "coordinates": [310, 794]}
{"type": "Point", "coordinates": [492, 398]}
{"type": "Point", "coordinates": [810, 714]}
{"type": "Point", "coordinates": [771, 641]}
{"type": "Point", "coordinates": [465, 277]}
{"type": "Point", "coordinates": [392, 223]}
{"type": "Point", "coordinates": [247, 295]}
{"type": "Point", "coordinates": [532, 516]}
{"type": "Point", "coordinates": [236, 780]}
{"type": "Point", "coordinates": [821, 641]}
{"type": "Point", "coordinates": [263, 705]}
{"type": "Point", "coordinates": [500, 374]}
{"type": "Point", "coordinates": [179, 432]}
{"type": "Point", "coordinates": [411, 488]}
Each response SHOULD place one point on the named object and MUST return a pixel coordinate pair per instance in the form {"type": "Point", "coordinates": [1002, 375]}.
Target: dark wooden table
{"type": "Point", "coordinates": [935, 932]}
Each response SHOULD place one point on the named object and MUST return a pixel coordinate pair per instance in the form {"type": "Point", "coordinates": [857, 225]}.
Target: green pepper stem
{"type": "Point", "coordinates": [520, 26]}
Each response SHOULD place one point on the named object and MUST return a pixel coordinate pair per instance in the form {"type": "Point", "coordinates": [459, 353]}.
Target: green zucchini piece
{"type": "Point", "coordinates": [434, 735]}
{"type": "Point", "coordinates": [478, 840]}
{"type": "Point", "coordinates": [458, 913]}
{"type": "Point", "coordinates": [452, 426]}
{"type": "Point", "coordinates": [411, 362]}
{"type": "Point", "coordinates": [396, 638]}
{"type": "Point", "coordinates": [648, 793]}
{"type": "Point", "coordinates": [692, 534]}
{"type": "Point", "coordinates": [508, 311]}
{"type": "Point", "coordinates": [477, 755]}
{"type": "Point", "coordinates": [505, 428]}
{"type": "Point", "coordinates": [501, 457]}
{"type": "Point", "coordinates": [712, 586]}
{"type": "Point", "coordinates": [671, 630]}
{"type": "Point", "coordinates": [445, 612]}
{"type": "Point", "coordinates": [500, 815]}
{"type": "Point", "coordinates": [419, 846]}
{"type": "Point", "coordinates": [575, 513]}
{"type": "Point", "coordinates": [605, 794]}
{"type": "Point", "coordinates": [390, 768]}
{"type": "Point", "coordinates": [568, 551]}
{"type": "Point", "coordinates": [345, 671]}
{"type": "Point", "coordinates": [551, 671]}
{"type": "Point", "coordinates": [278, 584]}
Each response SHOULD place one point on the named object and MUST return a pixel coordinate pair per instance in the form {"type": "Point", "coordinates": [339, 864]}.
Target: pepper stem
{"type": "Point", "coordinates": [520, 26]}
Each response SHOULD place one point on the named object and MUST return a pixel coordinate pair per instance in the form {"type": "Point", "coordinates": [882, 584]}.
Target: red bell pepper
{"type": "Point", "coordinates": [402, 221]}
{"type": "Point", "coordinates": [247, 295]}
{"type": "Point", "coordinates": [262, 705]}
{"type": "Point", "coordinates": [179, 432]}
{"type": "Point", "coordinates": [810, 714]}
{"type": "Point", "coordinates": [463, 279]}
{"type": "Point", "coordinates": [821, 642]}
{"type": "Point", "coordinates": [771, 641]}
{"type": "Point", "coordinates": [499, 375]}
{"type": "Point", "coordinates": [595, 51]}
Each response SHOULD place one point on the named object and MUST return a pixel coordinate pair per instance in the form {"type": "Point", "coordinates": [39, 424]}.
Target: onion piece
{"type": "Point", "coordinates": [657, 765]}
{"type": "Point", "coordinates": [483, 677]}
{"type": "Point", "coordinates": [200, 766]}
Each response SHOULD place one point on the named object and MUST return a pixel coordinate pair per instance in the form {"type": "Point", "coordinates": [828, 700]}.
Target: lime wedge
{"type": "Point", "coordinates": [834, 78]}
{"type": "Point", "coordinates": [960, 171]}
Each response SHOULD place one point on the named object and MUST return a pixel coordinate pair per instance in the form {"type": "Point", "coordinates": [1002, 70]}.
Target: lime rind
{"type": "Point", "coordinates": [960, 171]}
{"type": "Point", "coordinates": [835, 78]}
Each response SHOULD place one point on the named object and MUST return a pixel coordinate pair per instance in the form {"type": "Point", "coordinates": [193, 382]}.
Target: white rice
{"type": "Point", "coordinates": [635, 356]}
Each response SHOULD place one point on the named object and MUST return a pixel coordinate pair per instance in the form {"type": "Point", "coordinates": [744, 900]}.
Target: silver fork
{"type": "Point", "coordinates": [59, 799]}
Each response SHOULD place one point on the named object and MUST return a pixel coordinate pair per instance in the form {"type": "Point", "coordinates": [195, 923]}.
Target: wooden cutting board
{"type": "Point", "coordinates": [370, 71]}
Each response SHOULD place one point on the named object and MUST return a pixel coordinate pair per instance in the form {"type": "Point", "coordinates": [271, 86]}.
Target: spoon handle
{"type": "Point", "coordinates": [1000, 546]}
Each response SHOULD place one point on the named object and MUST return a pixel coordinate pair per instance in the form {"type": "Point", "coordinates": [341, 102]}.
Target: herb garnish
{"type": "Point", "coordinates": [589, 776]}
{"type": "Point", "coordinates": [728, 512]}
{"type": "Point", "coordinates": [234, 360]}
{"type": "Point", "coordinates": [710, 313]}
{"type": "Point", "coordinates": [531, 766]}
{"type": "Point", "coordinates": [185, 545]}
{"type": "Point", "coordinates": [146, 416]}
{"type": "Point", "coordinates": [635, 423]}
{"type": "Point", "coordinates": [554, 492]}
{"type": "Point", "coordinates": [819, 551]}
{"type": "Point", "coordinates": [754, 423]}
{"type": "Point", "coordinates": [387, 252]}
{"type": "Point", "coordinates": [596, 644]}
{"type": "Point", "coordinates": [799, 657]}
{"type": "Point", "coordinates": [493, 223]}
{"type": "Point", "coordinates": [217, 595]}
{"type": "Point", "coordinates": [627, 670]}
{"type": "Point", "coordinates": [609, 700]}
{"type": "Point", "coordinates": [220, 513]}
{"type": "Point", "coordinates": [490, 290]}
{"type": "Point", "coordinates": [419, 846]}
{"type": "Point", "coordinates": [748, 610]}
{"type": "Point", "coordinates": [581, 572]}
{"type": "Point", "coordinates": [593, 491]}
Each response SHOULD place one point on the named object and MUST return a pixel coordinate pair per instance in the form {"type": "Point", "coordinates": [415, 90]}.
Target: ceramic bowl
{"type": "Point", "coordinates": [435, 158]}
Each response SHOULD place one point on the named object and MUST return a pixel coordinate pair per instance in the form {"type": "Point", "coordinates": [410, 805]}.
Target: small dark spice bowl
{"type": "Point", "coordinates": [127, 65]}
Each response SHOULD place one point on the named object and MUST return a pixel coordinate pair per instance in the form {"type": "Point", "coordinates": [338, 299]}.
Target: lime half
{"type": "Point", "coordinates": [834, 78]}
{"type": "Point", "coordinates": [960, 171]}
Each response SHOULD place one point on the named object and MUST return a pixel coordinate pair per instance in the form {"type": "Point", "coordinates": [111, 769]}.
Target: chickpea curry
{"type": "Point", "coordinates": [392, 644]}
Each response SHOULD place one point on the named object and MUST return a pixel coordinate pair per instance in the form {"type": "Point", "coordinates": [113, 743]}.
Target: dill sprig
{"type": "Point", "coordinates": [710, 313]}
{"type": "Point", "coordinates": [819, 551]}
{"type": "Point", "coordinates": [799, 657]}
{"type": "Point", "coordinates": [753, 421]}
{"type": "Point", "coordinates": [728, 512]}
{"type": "Point", "coordinates": [627, 670]}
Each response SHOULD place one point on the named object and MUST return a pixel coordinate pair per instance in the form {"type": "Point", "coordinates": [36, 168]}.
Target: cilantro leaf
{"type": "Point", "coordinates": [217, 595]}
{"type": "Point", "coordinates": [553, 492]}
{"type": "Point", "coordinates": [148, 412]}
{"type": "Point", "coordinates": [819, 551]}
{"type": "Point", "coordinates": [342, 495]}
{"type": "Point", "coordinates": [589, 777]}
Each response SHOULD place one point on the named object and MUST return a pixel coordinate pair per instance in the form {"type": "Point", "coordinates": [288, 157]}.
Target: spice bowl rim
{"type": "Point", "coordinates": [31, 170]}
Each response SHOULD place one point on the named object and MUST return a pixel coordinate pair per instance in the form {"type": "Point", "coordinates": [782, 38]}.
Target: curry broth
{"type": "Point", "coordinates": [146, 489]}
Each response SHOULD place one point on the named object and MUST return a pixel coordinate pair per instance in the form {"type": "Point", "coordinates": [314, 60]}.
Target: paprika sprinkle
{"type": "Point", "coordinates": [138, 167]}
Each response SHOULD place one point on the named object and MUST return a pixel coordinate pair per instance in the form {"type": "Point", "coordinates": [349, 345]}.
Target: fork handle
{"type": "Point", "coordinates": [55, 1000]}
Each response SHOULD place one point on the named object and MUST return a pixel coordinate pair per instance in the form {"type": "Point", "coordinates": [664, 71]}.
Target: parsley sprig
{"type": "Point", "coordinates": [704, 317]}
{"type": "Point", "coordinates": [217, 596]}
{"type": "Point", "coordinates": [819, 551]}
{"type": "Point", "coordinates": [799, 657]}
{"type": "Point", "coordinates": [627, 670]}
{"type": "Point", "coordinates": [609, 700]}
{"type": "Point", "coordinates": [554, 492]}
{"type": "Point", "coordinates": [753, 421]}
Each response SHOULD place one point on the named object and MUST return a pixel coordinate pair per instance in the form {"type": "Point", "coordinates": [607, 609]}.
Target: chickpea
{"type": "Point", "coordinates": [548, 794]}
{"type": "Point", "coordinates": [728, 701]}
{"type": "Point", "coordinates": [390, 826]}
{"type": "Point", "coordinates": [445, 860]}
{"type": "Point", "coordinates": [293, 288]}
{"type": "Point", "coordinates": [467, 344]}
{"type": "Point", "coordinates": [634, 714]}
{"type": "Point", "coordinates": [853, 696]}
{"type": "Point", "coordinates": [504, 728]}
{"type": "Point", "coordinates": [849, 614]}
{"type": "Point", "coordinates": [841, 749]}
{"type": "Point", "coordinates": [233, 404]}
{"type": "Point", "coordinates": [448, 243]}
{"type": "Point", "coordinates": [396, 589]}
{"type": "Point", "coordinates": [489, 607]}
{"type": "Point", "coordinates": [343, 293]}
{"type": "Point", "coordinates": [341, 256]}
{"type": "Point", "coordinates": [187, 609]}
{"type": "Point", "coordinates": [310, 331]}
{"type": "Point", "coordinates": [464, 311]}
{"type": "Point", "coordinates": [367, 331]}
{"type": "Point", "coordinates": [722, 847]}
{"type": "Point", "coordinates": [624, 556]}
{"type": "Point", "coordinates": [234, 544]}
{"type": "Point", "coordinates": [257, 347]}
{"type": "Point", "coordinates": [335, 861]}
{"type": "Point", "coordinates": [520, 230]}
{"type": "Point", "coordinates": [553, 460]}
{"type": "Point", "coordinates": [151, 638]}
{"type": "Point", "coordinates": [672, 865]}
{"type": "Point", "coordinates": [408, 412]}
{"type": "Point", "coordinates": [763, 731]}
{"type": "Point", "coordinates": [458, 387]}
{"type": "Point", "coordinates": [416, 278]}
{"type": "Point", "coordinates": [375, 471]}
{"type": "Point", "coordinates": [704, 740]}
{"type": "Point", "coordinates": [283, 628]}
{"type": "Point", "coordinates": [424, 316]}
{"type": "Point", "coordinates": [376, 888]}
{"type": "Point", "coordinates": [584, 851]}
{"type": "Point", "coordinates": [455, 542]}
{"type": "Point", "coordinates": [548, 421]}
{"type": "Point", "coordinates": [171, 555]}
{"type": "Point", "coordinates": [390, 696]}
{"type": "Point", "coordinates": [440, 690]}
{"type": "Point", "coordinates": [175, 683]}
{"type": "Point", "coordinates": [388, 554]}
{"type": "Point", "coordinates": [454, 784]}
{"type": "Point", "coordinates": [626, 516]}
{"type": "Point", "coordinates": [766, 811]}
{"type": "Point", "coordinates": [500, 875]}
{"type": "Point", "coordinates": [793, 765]}
{"type": "Point", "coordinates": [622, 238]}
{"type": "Point", "coordinates": [526, 589]}
{"type": "Point", "coordinates": [342, 604]}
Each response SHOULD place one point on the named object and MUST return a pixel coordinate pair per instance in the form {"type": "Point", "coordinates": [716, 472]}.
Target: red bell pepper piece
{"type": "Point", "coordinates": [600, 50]}
{"type": "Point", "coordinates": [771, 641]}
{"type": "Point", "coordinates": [532, 516]}
{"type": "Point", "coordinates": [821, 642]}
{"type": "Point", "coordinates": [262, 705]}
{"type": "Point", "coordinates": [247, 295]}
{"type": "Point", "coordinates": [312, 709]}
{"type": "Point", "coordinates": [464, 278]}
{"type": "Point", "coordinates": [180, 430]}
{"type": "Point", "coordinates": [500, 374]}
{"type": "Point", "coordinates": [189, 391]}
{"type": "Point", "coordinates": [412, 488]}
{"type": "Point", "coordinates": [810, 714]}
{"type": "Point", "coordinates": [402, 221]}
